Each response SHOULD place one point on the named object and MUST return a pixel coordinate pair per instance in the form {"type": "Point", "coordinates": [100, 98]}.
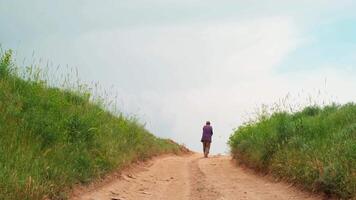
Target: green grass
{"type": "Point", "coordinates": [314, 148]}
{"type": "Point", "coordinates": [52, 138]}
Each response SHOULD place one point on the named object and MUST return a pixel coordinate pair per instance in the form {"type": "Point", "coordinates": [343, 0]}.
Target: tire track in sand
{"type": "Point", "coordinates": [200, 189]}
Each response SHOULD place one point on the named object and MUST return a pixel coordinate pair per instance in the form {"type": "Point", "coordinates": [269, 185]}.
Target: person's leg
{"type": "Point", "coordinates": [207, 149]}
{"type": "Point", "coordinates": [204, 143]}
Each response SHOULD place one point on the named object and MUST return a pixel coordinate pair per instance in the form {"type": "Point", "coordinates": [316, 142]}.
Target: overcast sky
{"type": "Point", "coordinates": [178, 63]}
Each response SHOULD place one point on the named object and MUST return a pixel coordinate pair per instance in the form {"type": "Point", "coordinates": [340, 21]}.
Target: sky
{"type": "Point", "coordinates": [175, 64]}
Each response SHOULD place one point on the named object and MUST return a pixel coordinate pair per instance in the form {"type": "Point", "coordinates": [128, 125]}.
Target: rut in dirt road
{"type": "Point", "coordinates": [191, 178]}
{"type": "Point", "coordinates": [199, 186]}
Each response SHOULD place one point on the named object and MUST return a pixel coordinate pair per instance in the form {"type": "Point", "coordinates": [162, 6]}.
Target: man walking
{"type": "Point", "coordinates": [206, 138]}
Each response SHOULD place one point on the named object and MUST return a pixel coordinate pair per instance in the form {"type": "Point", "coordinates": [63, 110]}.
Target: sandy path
{"type": "Point", "coordinates": [193, 178]}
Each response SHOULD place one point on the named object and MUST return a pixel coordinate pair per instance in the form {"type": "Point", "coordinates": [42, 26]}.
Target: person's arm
{"type": "Point", "coordinates": [211, 131]}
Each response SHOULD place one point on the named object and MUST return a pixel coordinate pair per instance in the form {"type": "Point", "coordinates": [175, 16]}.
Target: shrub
{"type": "Point", "coordinates": [52, 138]}
{"type": "Point", "coordinates": [315, 147]}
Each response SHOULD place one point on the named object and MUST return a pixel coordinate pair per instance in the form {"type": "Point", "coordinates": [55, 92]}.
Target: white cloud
{"type": "Point", "coordinates": [183, 75]}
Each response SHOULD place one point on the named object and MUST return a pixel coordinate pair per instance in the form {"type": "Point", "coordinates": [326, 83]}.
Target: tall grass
{"type": "Point", "coordinates": [315, 147]}
{"type": "Point", "coordinates": [52, 138]}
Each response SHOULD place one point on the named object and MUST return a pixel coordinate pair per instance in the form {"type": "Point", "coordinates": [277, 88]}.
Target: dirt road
{"type": "Point", "coordinates": [192, 178]}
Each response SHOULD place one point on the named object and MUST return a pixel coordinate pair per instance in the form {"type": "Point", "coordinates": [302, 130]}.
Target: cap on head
{"type": "Point", "coordinates": [207, 122]}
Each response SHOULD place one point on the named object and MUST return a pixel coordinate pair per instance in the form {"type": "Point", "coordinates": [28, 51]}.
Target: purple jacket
{"type": "Point", "coordinates": [207, 133]}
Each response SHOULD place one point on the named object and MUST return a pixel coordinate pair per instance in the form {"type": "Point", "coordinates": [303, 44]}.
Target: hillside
{"type": "Point", "coordinates": [314, 148]}
{"type": "Point", "coordinates": [52, 138]}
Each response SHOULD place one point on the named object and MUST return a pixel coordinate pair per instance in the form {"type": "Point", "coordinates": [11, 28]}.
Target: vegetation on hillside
{"type": "Point", "coordinates": [315, 148]}
{"type": "Point", "coordinates": [52, 138]}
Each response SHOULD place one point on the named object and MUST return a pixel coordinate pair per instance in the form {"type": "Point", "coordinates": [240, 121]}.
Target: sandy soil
{"type": "Point", "coordinates": [193, 178]}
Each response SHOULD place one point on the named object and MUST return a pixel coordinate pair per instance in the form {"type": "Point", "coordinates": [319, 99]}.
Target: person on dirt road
{"type": "Point", "coordinates": [206, 138]}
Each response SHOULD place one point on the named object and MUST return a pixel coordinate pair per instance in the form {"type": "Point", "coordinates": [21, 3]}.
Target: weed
{"type": "Point", "coordinates": [314, 147]}
{"type": "Point", "coordinates": [52, 138]}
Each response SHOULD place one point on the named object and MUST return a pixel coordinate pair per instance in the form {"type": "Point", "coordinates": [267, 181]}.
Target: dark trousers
{"type": "Point", "coordinates": [206, 148]}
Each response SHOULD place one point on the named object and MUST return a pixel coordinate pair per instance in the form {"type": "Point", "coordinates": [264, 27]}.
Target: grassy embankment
{"type": "Point", "coordinates": [314, 148]}
{"type": "Point", "coordinates": [52, 139]}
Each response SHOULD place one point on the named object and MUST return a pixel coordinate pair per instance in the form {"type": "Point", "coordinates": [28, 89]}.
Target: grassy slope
{"type": "Point", "coordinates": [315, 148]}
{"type": "Point", "coordinates": [51, 139]}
